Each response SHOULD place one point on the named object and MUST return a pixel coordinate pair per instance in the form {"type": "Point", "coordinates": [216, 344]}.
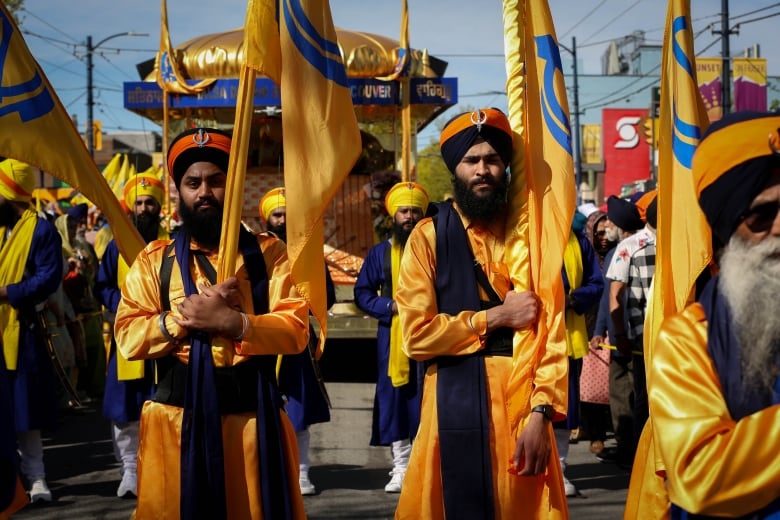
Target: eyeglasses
{"type": "Point", "coordinates": [601, 233]}
{"type": "Point", "coordinates": [760, 219]}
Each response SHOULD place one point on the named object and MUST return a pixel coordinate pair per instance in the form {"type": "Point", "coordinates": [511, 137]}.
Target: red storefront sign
{"type": "Point", "coordinates": [626, 150]}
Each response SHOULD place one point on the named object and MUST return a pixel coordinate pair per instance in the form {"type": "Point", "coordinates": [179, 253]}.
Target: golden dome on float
{"type": "Point", "coordinates": [365, 55]}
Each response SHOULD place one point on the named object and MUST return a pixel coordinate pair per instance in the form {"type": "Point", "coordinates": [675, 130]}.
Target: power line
{"type": "Point", "coordinates": [627, 9]}
{"type": "Point", "coordinates": [582, 20]}
{"type": "Point", "coordinates": [755, 11]}
{"type": "Point", "coordinates": [757, 19]}
{"type": "Point", "coordinates": [44, 22]}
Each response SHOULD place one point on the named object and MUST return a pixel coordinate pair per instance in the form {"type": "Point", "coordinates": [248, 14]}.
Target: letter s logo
{"type": "Point", "coordinates": [627, 132]}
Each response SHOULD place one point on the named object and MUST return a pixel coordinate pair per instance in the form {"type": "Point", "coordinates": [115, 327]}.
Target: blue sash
{"type": "Point", "coordinates": [461, 389]}
{"type": "Point", "coordinates": [202, 459]}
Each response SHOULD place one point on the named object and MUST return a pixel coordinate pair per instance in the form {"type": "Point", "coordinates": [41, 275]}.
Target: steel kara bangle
{"type": "Point", "coordinates": [164, 329]}
{"type": "Point", "coordinates": [244, 327]}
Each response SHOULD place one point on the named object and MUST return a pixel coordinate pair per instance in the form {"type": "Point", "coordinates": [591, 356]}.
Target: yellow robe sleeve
{"type": "Point", "coordinates": [714, 465]}
{"type": "Point", "coordinates": [426, 332]}
{"type": "Point", "coordinates": [284, 330]}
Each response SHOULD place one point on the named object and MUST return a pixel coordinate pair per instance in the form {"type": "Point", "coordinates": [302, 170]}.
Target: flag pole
{"type": "Point", "coordinates": [234, 190]}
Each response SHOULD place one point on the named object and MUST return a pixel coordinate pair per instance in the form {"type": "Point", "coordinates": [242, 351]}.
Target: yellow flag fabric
{"type": "Point", "coordinates": [169, 75]}
{"type": "Point", "coordinates": [321, 135]}
{"type": "Point", "coordinates": [35, 128]}
{"type": "Point", "coordinates": [542, 200]}
{"type": "Point", "coordinates": [111, 170]}
{"type": "Point", "coordinates": [683, 243]}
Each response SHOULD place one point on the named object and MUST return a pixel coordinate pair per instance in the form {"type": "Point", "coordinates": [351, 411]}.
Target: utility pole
{"type": "Point", "coordinates": [90, 102]}
{"type": "Point", "coordinates": [575, 130]}
{"type": "Point", "coordinates": [725, 51]}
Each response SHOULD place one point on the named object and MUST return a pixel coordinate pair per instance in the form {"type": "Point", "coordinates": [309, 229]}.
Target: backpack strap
{"type": "Point", "coordinates": [166, 267]}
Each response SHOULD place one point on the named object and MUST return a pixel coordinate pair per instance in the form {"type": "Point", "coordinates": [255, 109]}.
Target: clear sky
{"type": "Point", "coordinates": [468, 35]}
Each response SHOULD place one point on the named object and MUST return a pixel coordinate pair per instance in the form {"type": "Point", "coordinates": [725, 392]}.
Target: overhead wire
{"type": "Point", "coordinates": [613, 20]}
{"type": "Point", "coordinates": [582, 19]}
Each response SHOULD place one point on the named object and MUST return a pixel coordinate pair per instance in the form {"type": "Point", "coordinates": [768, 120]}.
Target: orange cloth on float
{"type": "Point", "coordinates": [428, 334]}
{"type": "Point", "coordinates": [284, 330]}
{"type": "Point", "coordinates": [714, 465]}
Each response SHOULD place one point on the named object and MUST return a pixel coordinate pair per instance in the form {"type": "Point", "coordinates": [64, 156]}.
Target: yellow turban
{"type": "Point", "coordinates": [406, 194]}
{"type": "Point", "coordinates": [270, 201]}
{"type": "Point", "coordinates": [17, 180]}
{"type": "Point", "coordinates": [143, 184]}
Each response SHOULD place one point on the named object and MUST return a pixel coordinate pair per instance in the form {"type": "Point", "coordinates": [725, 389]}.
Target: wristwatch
{"type": "Point", "coordinates": [545, 409]}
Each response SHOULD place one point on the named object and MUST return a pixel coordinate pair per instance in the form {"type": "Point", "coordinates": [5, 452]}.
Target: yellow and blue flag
{"type": "Point", "coordinates": [294, 43]}
{"type": "Point", "coordinates": [36, 129]}
{"type": "Point", "coordinates": [683, 243]}
{"type": "Point", "coordinates": [542, 200]}
{"type": "Point", "coordinates": [169, 75]}
{"type": "Point", "coordinates": [683, 248]}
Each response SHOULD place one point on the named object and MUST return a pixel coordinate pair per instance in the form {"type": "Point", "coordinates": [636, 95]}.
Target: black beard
{"type": "Point", "coordinates": [8, 215]}
{"type": "Point", "coordinates": [476, 207]}
{"type": "Point", "coordinates": [205, 227]}
{"type": "Point", "coordinates": [400, 234]}
{"type": "Point", "coordinates": [147, 224]}
{"type": "Point", "coordinates": [279, 231]}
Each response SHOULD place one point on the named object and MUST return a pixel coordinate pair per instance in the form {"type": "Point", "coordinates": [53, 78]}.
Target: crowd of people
{"type": "Point", "coordinates": [211, 386]}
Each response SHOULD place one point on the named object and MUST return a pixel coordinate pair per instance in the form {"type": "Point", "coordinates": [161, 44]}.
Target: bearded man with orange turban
{"type": "Point", "coordinates": [214, 441]}
{"type": "Point", "coordinates": [398, 386]}
{"type": "Point", "coordinates": [714, 382]}
{"type": "Point", "coordinates": [128, 383]}
{"type": "Point", "coordinates": [459, 312]}
{"type": "Point", "coordinates": [30, 271]}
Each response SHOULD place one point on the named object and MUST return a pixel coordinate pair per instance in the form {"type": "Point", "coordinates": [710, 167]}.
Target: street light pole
{"type": "Point", "coordinates": [90, 102]}
{"type": "Point", "coordinates": [575, 130]}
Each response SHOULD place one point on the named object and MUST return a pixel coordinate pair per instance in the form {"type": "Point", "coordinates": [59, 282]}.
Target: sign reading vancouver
{"type": "Point", "coordinates": [144, 95]}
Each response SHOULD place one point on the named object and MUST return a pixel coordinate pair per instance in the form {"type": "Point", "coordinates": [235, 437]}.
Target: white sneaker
{"type": "Point", "coordinates": [128, 486]}
{"type": "Point", "coordinates": [307, 488]}
{"type": "Point", "coordinates": [39, 491]}
{"type": "Point", "coordinates": [569, 488]}
{"type": "Point", "coordinates": [394, 486]}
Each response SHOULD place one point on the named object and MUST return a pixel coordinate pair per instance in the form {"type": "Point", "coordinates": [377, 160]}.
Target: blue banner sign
{"type": "Point", "coordinates": [144, 95]}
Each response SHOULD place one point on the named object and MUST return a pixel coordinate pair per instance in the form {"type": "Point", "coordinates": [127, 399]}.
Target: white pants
{"type": "Point", "coordinates": [401, 451]}
{"type": "Point", "coordinates": [31, 454]}
{"type": "Point", "coordinates": [125, 438]}
{"type": "Point", "coordinates": [303, 450]}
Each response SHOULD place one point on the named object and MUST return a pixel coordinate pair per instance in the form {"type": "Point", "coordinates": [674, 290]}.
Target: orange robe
{"type": "Point", "coordinates": [427, 334]}
{"type": "Point", "coordinates": [714, 464]}
{"type": "Point", "coordinates": [284, 330]}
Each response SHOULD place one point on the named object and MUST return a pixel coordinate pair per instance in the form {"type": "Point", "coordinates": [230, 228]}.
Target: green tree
{"type": "Point", "coordinates": [14, 6]}
{"type": "Point", "coordinates": [433, 174]}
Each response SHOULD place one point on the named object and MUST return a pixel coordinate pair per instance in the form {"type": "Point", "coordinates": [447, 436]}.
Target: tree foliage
{"type": "Point", "coordinates": [433, 174]}
{"type": "Point", "coordinates": [14, 6]}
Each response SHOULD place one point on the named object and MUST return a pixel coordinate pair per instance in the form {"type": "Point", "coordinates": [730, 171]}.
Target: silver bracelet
{"type": "Point", "coordinates": [471, 325]}
{"type": "Point", "coordinates": [244, 328]}
{"type": "Point", "coordinates": [164, 329]}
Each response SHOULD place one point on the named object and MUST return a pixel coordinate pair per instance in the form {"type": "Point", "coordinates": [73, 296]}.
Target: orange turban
{"type": "Point", "coordinates": [17, 180]}
{"type": "Point", "coordinates": [643, 203]}
{"type": "Point", "coordinates": [270, 201]}
{"type": "Point", "coordinates": [405, 194]}
{"type": "Point", "coordinates": [196, 145]}
{"type": "Point", "coordinates": [463, 130]}
{"type": "Point", "coordinates": [143, 184]}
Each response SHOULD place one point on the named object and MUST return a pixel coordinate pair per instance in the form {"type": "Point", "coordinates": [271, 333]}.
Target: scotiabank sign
{"type": "Point", "coordinates": [626, 151]}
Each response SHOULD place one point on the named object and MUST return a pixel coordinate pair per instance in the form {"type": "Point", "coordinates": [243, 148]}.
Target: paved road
{"type": "Point", "coordinates": [349, 474]}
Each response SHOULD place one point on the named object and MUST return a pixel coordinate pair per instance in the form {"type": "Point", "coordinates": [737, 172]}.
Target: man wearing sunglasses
{"type": "Point", "coordinates": [715, 390]}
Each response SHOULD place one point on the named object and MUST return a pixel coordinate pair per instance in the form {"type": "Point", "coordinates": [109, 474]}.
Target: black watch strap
{"type": "Point", "coordinates": [545, 409]}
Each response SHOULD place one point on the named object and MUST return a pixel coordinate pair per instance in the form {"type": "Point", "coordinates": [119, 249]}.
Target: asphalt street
{"type": "Point", "coordinates": [349, 474]}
